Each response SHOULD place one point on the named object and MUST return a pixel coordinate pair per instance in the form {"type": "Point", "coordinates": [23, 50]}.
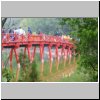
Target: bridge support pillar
{"type": "Point", "coordinates": [65, 56]}
{"type": "Point", "coordinates": [42, 57]}
{"type": "Point", "coordinates": [29, 54]}
{"type": "Point", "coordinates": [10, 57]}
{"type": "Point", "coordinates": [33, 54]}
{"type": "Point", "coordinates": [18, 64]}
{"type": "Point", "coordinates": [50, 57]}
{"type": "Point", "coordinates": [70, 55]}
{"type": "Point", "coordinates": [24, 56]}
{"type": "Point", "coordinates": [64, 51]}
{"type": "Point", "coordinates": [17, 72]}
{"type": "Point", "coordinates": [57, 58]}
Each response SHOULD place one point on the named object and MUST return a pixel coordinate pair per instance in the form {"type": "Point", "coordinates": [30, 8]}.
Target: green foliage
{"type": "Point", "coordinates": [86, 30]}
{"type": "Point", "coordinates": [7, 75]}
{"type": "Point", "coordinates": [81, 75]}
{"type": "Point", "coordinates": [29, 73]}
{"type": "Point", "coordinates": [33, 74]}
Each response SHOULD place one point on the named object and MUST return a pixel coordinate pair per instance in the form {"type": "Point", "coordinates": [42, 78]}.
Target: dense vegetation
{"type": "Point", "coordinates": [85, 30]}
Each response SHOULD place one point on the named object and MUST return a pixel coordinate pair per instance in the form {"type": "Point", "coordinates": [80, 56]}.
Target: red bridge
{"type": "Point", "coordinates": [30, 41]}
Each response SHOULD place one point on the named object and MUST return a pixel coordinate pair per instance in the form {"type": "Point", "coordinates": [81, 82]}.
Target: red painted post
{"type": "Point", "coordinates": [70, 54]}
{"type": "Point", "coordinates": [24, 56]}
{"type": "Point", "coordinates": [33, 54]}
{"type": "Point", "coordinates": [10, 57]}
{"type": "Point", "coordinates": [29, 54]}
{"type": "Point", "coordinates": [50, 57]}
{"type": "Point", "coordinates": [42, 57]}
{"type": "Point", "coordinates": [18, 64]}
{"type": "Point", "coordinates": [57, 57]}
{"type": "Point", "coordinates": [65, 56]}
{"type": "Point", "coordinates": [62, 50]}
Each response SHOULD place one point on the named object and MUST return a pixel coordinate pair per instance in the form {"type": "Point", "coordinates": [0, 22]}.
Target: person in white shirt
{"type": "Point", "coordinates": [19, 31]}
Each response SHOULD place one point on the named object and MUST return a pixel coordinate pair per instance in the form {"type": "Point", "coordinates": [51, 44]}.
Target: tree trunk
{"type": "Point", "coordinates": [3, 21]}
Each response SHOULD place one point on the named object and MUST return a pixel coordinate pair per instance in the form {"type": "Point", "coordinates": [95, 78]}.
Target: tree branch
{"type": "Point", "coordinates": [3, 21]}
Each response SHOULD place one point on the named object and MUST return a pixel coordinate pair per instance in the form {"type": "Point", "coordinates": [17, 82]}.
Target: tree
{"type": "Point", "coordinates": [10, 23]}
{"type": "Point", "coordinates": [85, 30]}
{"type": "Point", "coordinates": [3, 21]}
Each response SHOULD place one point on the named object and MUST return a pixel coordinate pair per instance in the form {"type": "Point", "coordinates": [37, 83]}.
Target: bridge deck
{"type": "Point", "coordinates": [15, 40]}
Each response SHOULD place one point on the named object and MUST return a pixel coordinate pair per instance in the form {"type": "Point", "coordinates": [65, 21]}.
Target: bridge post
{"type": "Point", "coordinates": [29, 54]}
{"type": "Point", "coordinates": [18, 64]}
{"type": "Point", "coordinates": [42, 57]}
{"type": "Point", "coordinates": [24, 56]}
{"type": "Point", "coordinates": [50, 57]}
{"type": "Point", "coordinates": [65, 56]}
{"type": "Point", "coordinates": [10, 57]}
{"type": "Point", "coordinates": [33, 54]}
{"type": "Point", "coordinates": [64, 52]}
{"type": "Point", "coordinates": [70, 54]}
{"type": "Point", "coordinates": [57, 57]}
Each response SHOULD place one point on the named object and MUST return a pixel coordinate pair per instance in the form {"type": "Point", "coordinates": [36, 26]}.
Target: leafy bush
{"type": "Point", "coordinates": [29, 74]}
{"type": "Point", "coordinates": [85, 30]}
{"type": "Point", "coordinates": [7, 75]}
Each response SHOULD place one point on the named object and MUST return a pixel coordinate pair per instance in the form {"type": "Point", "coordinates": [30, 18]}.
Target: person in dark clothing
{"type": "Point", "coordinates": [56, 34]}
{"type": "Point", "coordinates": [3, 30]}
{"type": "Point", "coordinates": [38, 32]}
{"type": "Point", "coordinates": [11, 31]}
{"type": "Point", "coordinates": [29, 30]}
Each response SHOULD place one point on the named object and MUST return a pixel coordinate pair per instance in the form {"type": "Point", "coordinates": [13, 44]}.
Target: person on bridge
{"type": "Point", "coordinates": [40, 33]}
{"type": "Point", "coordinates": [57, 34]}
{"type": "Point", "coordinates": [29, 30]}
{"type": "Point", "coordinates": [19, 31]}
{"type": "Point", "coordinates": [11, 31]}
{"type": "Point", "coordinates": [3, 30]}
{"type": "Point", "coordinates": [3, 33]}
